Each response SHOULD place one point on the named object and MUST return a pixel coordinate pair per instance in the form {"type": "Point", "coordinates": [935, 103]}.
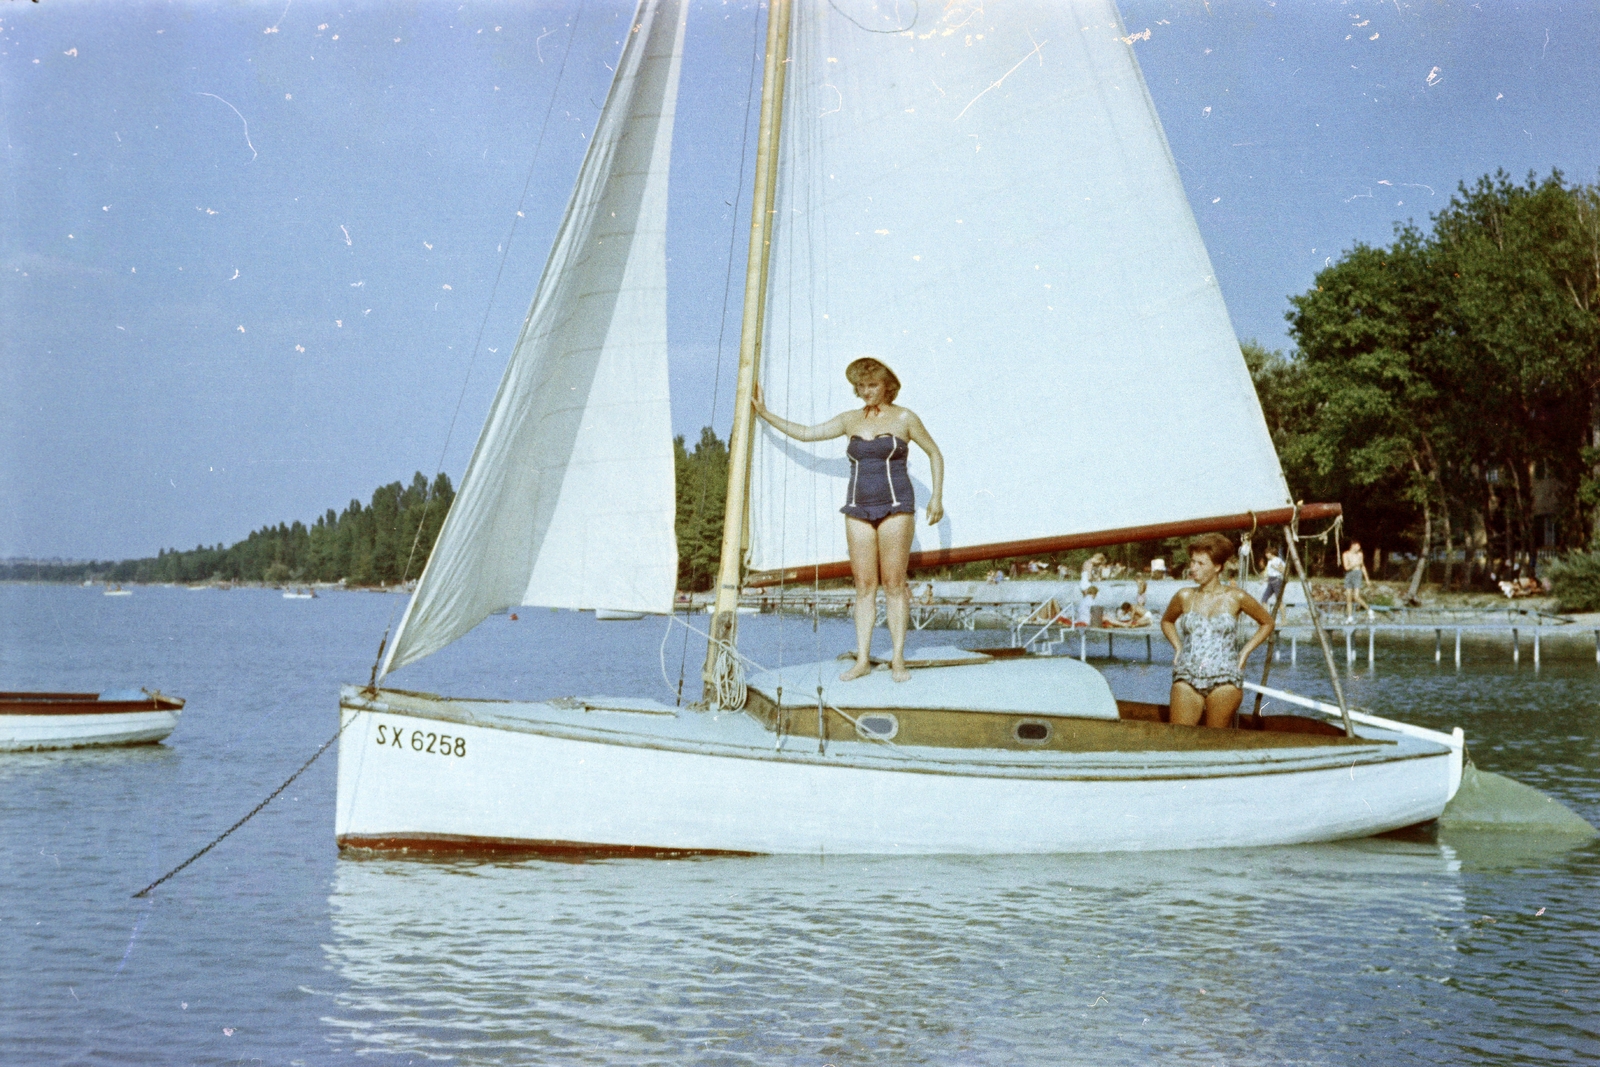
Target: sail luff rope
{"type": "Point", "coordinates": [477, 344]}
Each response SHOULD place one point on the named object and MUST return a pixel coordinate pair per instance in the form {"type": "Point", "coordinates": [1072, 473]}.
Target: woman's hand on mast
{"type": "Point", "coordinates": [757, 406]}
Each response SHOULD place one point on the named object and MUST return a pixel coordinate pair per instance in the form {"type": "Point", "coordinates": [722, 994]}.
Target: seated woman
{"type": "Point", "coordinates": [880, 510]}
{"type": "Point", "coordinates": [1202, 625]}
{"type": "Point", "coordinates": [1127, 616]}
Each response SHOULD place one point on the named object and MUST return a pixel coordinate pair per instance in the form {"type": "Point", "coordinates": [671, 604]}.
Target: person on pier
{"type": "Point", "coordinates": [880, 507]}
{"type": "Point", "coordinates": [1355, 578]}
{"type": "Point", "coordinates": [1202, 624]}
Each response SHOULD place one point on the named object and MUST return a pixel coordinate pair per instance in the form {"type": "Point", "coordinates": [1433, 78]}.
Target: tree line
{"type": "Point", "coordinates": [1446, 387]}
{"type": "Point", "coordinates": [380, 543]}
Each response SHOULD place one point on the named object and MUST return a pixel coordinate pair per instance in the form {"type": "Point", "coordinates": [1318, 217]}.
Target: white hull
{"type": "Point", "coordinates": [555, 777]}
{"type": "Point", "coordinates": [32, 732]}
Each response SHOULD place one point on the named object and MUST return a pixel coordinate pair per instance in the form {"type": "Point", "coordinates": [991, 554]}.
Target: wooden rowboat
{"type": "Point", "coordinates": [77, 720]}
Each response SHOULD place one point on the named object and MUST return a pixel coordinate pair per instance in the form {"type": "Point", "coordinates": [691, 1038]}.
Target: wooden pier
{"type": "Point", "coordinates": [1033, 617]}
{"type": "Point", "coordinates": [1101, 643]}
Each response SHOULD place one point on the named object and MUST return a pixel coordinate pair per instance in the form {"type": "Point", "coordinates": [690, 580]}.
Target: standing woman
{"type": "Point", "coordinates": [880, 509]}
{"type": "Point", "coordinates": [1202, 625]}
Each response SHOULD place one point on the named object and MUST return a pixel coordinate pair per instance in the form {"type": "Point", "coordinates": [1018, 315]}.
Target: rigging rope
{"type": "Point", "coordinates": [483, 325]}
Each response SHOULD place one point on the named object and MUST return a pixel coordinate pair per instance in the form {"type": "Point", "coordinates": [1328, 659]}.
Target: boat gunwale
{"type": "Point", "coordinates": [10, 706]}
{"type": "Point", "coordinates": [864, 755]}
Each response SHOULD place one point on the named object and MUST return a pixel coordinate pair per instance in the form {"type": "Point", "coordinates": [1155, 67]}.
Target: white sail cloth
{"type": "Point", "coordinates": [984, 199]}
{"type": "Point", "coordinates": [568, 499]}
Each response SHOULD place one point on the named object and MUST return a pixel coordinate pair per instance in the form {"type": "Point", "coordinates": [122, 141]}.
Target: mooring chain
{"type": "Point", "coordinates": [249, 815]}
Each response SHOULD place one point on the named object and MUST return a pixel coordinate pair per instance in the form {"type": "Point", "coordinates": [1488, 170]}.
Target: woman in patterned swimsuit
{"type": "Point", "coordinates": [880, 511]}
{"type": "Point", "coordinates": [1202, 625]}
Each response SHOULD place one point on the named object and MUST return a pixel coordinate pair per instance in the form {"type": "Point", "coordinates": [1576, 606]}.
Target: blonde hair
{"type": "Point", "coordinates": [866, 369]}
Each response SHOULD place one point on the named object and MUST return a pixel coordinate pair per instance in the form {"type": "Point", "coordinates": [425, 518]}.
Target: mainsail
{"type": "Point", "coordinates": [568, 500]}
{"type": "Point", "coordinates": [981, 195]}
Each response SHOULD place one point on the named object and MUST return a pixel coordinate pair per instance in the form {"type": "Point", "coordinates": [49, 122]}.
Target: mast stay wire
{"type": "Point", "coordinates": [428, 493]}
{"type": "Point", "coordinates": [727, 289]}
{"type": "Point", "coordinates": [483, 326]}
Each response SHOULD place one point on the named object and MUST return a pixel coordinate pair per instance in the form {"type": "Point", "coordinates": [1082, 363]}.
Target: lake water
{"type": "Point", "coordinates": [1457, 949]}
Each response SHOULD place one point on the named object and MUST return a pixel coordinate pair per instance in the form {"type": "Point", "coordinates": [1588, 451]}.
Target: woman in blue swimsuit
{"type": "Point", "coordinates": [879, 509]}
{"type": "Point", "coordinates": [1202, 623]}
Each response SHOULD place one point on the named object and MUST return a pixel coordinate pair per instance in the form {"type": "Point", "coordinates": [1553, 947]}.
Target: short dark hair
{"type": "Point", "coordinates": [1214, 546]}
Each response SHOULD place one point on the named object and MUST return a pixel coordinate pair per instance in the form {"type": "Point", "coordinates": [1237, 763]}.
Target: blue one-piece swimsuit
{"type": "Point", "coordinates": [879, 484]}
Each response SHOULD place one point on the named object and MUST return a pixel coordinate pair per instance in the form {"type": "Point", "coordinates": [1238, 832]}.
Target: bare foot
{"type": "Point", "coordinates": [862, 668]}
{"type": "Point", "coordinates": [900, 672]}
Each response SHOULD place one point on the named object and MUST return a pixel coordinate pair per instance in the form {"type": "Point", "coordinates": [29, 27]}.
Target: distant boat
{"type": "Point", "coordinates": [299, 594]}
{"type": "Point", "coordinates": [609, 615]}
{"type": "Point", "coordinates": [77, 720]}
{"type": "Point", "coordinates": [117, 590]}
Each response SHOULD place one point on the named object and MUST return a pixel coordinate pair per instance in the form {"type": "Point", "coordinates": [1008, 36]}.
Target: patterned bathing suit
{"type": "Point", "coordinates": [1210, 655]}
{"type": "Point", "coordinates": [879, 484]}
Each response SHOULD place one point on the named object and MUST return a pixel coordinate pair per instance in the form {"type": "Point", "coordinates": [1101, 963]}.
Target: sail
{"type": "Point", "coordinates": [981, 196]}
{"type": "Point", "coordinates": [568, 500]}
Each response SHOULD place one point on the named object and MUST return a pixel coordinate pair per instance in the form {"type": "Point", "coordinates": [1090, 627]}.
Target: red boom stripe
{"type": "Point", "coordinates": [1042, 545]}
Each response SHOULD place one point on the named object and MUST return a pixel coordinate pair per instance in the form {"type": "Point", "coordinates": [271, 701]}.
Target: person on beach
{"type": "Point", "coordinates": [1355, 576]}
{"type": "Point", "coordinates": [880, 508]}
{"type": "Point", "coordinates": [1201, 624]}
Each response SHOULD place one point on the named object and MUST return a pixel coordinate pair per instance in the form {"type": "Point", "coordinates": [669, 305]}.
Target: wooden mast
{"type": "Point", "coordinates": [725, 611]}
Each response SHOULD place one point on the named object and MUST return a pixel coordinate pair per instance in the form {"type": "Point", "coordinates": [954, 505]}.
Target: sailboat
{"type": "Point", "coordinates": [982, 197]}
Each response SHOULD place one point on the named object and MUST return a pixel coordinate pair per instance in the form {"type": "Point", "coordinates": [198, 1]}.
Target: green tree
{"type": "Point", "coordinates": [702, 489]}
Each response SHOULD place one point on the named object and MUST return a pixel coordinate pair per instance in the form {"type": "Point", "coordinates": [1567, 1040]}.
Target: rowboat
{"type": "Point", "coordinates": [78, 720]}
{"type": "Point", "coordinates": [983, 198]}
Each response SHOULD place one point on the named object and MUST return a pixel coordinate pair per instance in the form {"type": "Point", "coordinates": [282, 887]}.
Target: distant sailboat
{"type": "Point", "coordinates": [982, 196]}
{"type": "Point", "coordinates": [117, 590]}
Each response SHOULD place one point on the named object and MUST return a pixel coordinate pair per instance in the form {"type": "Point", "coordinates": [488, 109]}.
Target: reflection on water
{"type": "Point", "coordinates": [1216, 954]}
{"type": "Point", "coordinates": [1426, 949]}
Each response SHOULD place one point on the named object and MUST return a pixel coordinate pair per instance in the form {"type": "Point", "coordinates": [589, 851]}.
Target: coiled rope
{"type": "Point", "coordinates": [728, 685]}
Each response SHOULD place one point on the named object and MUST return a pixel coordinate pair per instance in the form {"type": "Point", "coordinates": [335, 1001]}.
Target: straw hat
{"type": "Point", "coordinates": [867, 365]}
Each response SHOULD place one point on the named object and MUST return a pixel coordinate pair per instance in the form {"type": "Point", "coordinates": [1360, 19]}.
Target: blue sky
{"type": "Point", "coordinates": [247, 249]}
